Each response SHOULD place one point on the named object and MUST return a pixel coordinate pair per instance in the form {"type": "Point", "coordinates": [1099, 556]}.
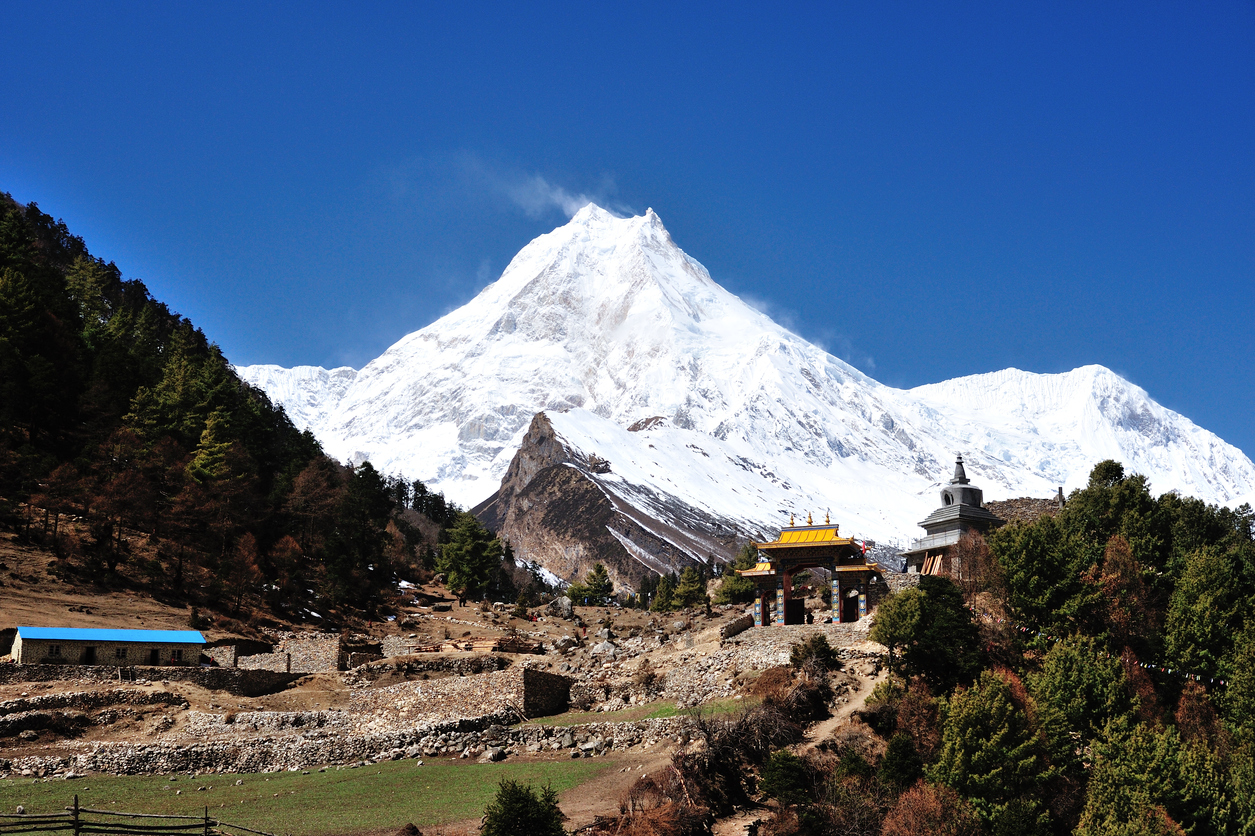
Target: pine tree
{"type": "Point", "coordinates": [691, 590]}
{"type": "Point", "coordinates": [597, 586]}
{"type": "Point", "coordinates": [470, 557]}
{"type": "Point", "coordinates": [1079, 690]}
{"type": "Point", "coordinates": [734, 588]}
{"type": "Point", "coordinates": [1148, 780]}
{"type": "Point", "coordinates": [934, 630]}
{"type": "Point", "coordinates": [662, 596]}
{"type": "Point", "coordinates": [896, 622]}
{"type": "Point", "coordinates": [992, 754]}
{"type": "Point", "coordinates": [1204, 612]}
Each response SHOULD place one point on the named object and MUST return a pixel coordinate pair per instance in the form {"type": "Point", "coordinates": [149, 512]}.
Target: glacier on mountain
{"type": "Point", "coordinates": [605, 323]}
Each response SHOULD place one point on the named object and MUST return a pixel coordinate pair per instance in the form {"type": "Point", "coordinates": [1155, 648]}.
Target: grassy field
{"type": "Point", "coordinates": [649, 711]}
{"type": "Point", "coordinates": [346, 801]}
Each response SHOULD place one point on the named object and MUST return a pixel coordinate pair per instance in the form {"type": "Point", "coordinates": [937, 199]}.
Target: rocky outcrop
{"type": "Point", "coordinates": [554, 512]}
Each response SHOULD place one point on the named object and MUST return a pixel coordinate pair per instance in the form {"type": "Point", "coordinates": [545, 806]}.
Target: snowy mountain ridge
{"type": "Point", "coordinates": [605, 323]}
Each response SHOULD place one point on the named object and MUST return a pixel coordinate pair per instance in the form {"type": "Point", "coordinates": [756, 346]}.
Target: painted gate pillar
{"type": "Point", "coordinates": [780, 600]}
{"type": "Point", "coordinates": [759, 606]}
{"type": "Point", "coordinates": [862, 601]}
{"type": "Point", "coordinates": [836, 597]}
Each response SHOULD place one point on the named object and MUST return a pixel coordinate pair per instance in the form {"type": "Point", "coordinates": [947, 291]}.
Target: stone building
{"type": "Point", "coordinates": [90, 646]}
{"type": "Point", "coordinates": [962, 510]}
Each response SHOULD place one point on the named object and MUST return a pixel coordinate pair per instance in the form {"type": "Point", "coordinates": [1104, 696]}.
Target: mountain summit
{"type": "Point", "coordinates": [703, 408]}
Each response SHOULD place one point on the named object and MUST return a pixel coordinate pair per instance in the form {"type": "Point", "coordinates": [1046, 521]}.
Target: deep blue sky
{"type": "Point", "coordinates": [927, 192]}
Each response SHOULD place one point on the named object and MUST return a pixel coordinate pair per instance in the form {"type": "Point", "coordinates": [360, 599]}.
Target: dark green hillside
{"type": "Point", "coordinates": [1090, 672]}
{"type": "Point", "coordinates": [120, 414]}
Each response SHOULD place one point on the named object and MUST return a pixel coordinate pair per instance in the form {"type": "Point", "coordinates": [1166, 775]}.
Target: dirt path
{"type": "Point", "coordinates": [737, 823]}
{"type": "Point", "coordinates": [820, 732]}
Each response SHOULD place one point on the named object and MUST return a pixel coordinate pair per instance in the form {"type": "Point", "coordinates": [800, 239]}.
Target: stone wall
{"type": "Point", "coordinates": [310, 654]}
{"type": "Point", "coordinates": [278, 662]}
{"type": "Point", "coordinates": [356, 660]}
{"type": "Point", "coordinates": [897, 581]}
{"type": "Point", "coordinates": [527, 691]}
{"type": "Point", "coordinates": [397, 646]}
{"type": "Point", "coordinates": [297, 653]}
{"type": "Point", "coordinates": [740, 625]}
{"type": "Point", "coordinates": [544, 693]}
{"type": "Point", "coordinates": [225, 656]}
{"type": "Point", "coordinates": [309, 749]}
{"type": "Point", "coordinates": [63, 713]}
{"type": "Point", "coordinates": [242, 682]}
{"type": "Point", "coordinates": [433, 663]}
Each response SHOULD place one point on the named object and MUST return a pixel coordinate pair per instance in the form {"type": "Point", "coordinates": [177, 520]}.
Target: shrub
{"type": "Point", "coordinates": [786, 778]}
{"type": "Point", "coordinates": [645, 675]}
{"type": "Point", "coordinates": [901, 766]}
{"type": "Point", "coordinates": [814, 653]}
{"type": "Point", "coordinates": [520, 810]}
{"type": "Point", "coordinates": [933, 810]}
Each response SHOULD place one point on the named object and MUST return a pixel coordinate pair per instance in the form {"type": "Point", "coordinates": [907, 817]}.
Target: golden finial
{"type": "Point", "coordinates": [790, 518]}
{"type": "Point", "coordinates": [808, 518]}
{"type": "Point", "coordinates": [826, 520]}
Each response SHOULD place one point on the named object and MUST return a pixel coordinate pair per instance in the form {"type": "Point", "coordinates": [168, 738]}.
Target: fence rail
{"type": "Point", "coordinates": [84, 820]}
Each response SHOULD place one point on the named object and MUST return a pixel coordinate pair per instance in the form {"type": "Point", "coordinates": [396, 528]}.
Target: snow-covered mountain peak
{"type": "Point", "coordinates": [606, 321]}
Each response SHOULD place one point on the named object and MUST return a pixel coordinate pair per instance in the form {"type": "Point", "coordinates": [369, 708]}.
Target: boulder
{"type": "Point", "coordinates": [562, 607]}
{"type": "Point", "coordinates": [492, 754]}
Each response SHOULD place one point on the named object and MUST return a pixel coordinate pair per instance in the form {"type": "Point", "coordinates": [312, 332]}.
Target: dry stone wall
{"type": "Point", "coordinates": [898, 581]}
{"type": "Point", "coordinates": [224, 656]}
{"type": "Point", "coordinates": [460, 665]}
{"type": "Point", "coordinates": [246, 683]}
{"type": "Point", "coordinates": [312, 748]}
{"type": "Point", "coordinates": [297, 653]}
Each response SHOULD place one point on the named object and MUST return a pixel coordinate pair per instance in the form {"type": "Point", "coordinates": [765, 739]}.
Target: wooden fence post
{"type": "Point", "coordinates": [76, 814]}
{"type": "Point", "coordinates": [206, 821]}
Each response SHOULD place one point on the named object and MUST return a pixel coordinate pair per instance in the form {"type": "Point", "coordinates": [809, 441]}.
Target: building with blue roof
{"type": "Point", "coordinates": [92, 646]}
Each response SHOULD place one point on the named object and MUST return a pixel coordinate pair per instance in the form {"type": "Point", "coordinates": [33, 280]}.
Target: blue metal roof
{"type": "Point", "coordinates": [91, 634]}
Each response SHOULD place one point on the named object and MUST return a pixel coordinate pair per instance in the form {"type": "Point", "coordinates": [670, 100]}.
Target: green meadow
{"type": "Point", "coordinates": [338, 801]}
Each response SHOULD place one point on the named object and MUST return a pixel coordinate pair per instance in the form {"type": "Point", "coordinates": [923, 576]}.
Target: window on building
{"type": "Point", "coordinates": [119, 653]}
{"type": "Point", "coordinates": [54, 650]}
{"type": "Point", "coordinates": [176, 655]}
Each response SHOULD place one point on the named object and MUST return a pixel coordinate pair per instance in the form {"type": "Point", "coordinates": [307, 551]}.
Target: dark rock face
{"type": "Point", "coordinates": [555, 513]}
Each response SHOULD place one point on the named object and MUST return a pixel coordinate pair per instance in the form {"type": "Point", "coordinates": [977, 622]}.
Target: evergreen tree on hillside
{"type": "Point", "coordinates": [356, 558]}
{"type": "Point", "coordinates": [596, 589]}
{"type": "Point", "coordinates": [471, 557]}
{"type": "Point", "coordinates": [992, 754]}
{"type": "Point", "coordinates": [933, 630]}
{"type": "Point", "coordinates": [1204, 613]}
{"type": "Point", "coordinates": [663, 594]}
{"type": "Point", "coordinates": [1079, 690]}
{"type": "Point", "coordinates": [691, 590]}
{"type": "Point", "coordinates": [1148, 780]}
{"type": "Point", "coordinates": [735, 589]}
